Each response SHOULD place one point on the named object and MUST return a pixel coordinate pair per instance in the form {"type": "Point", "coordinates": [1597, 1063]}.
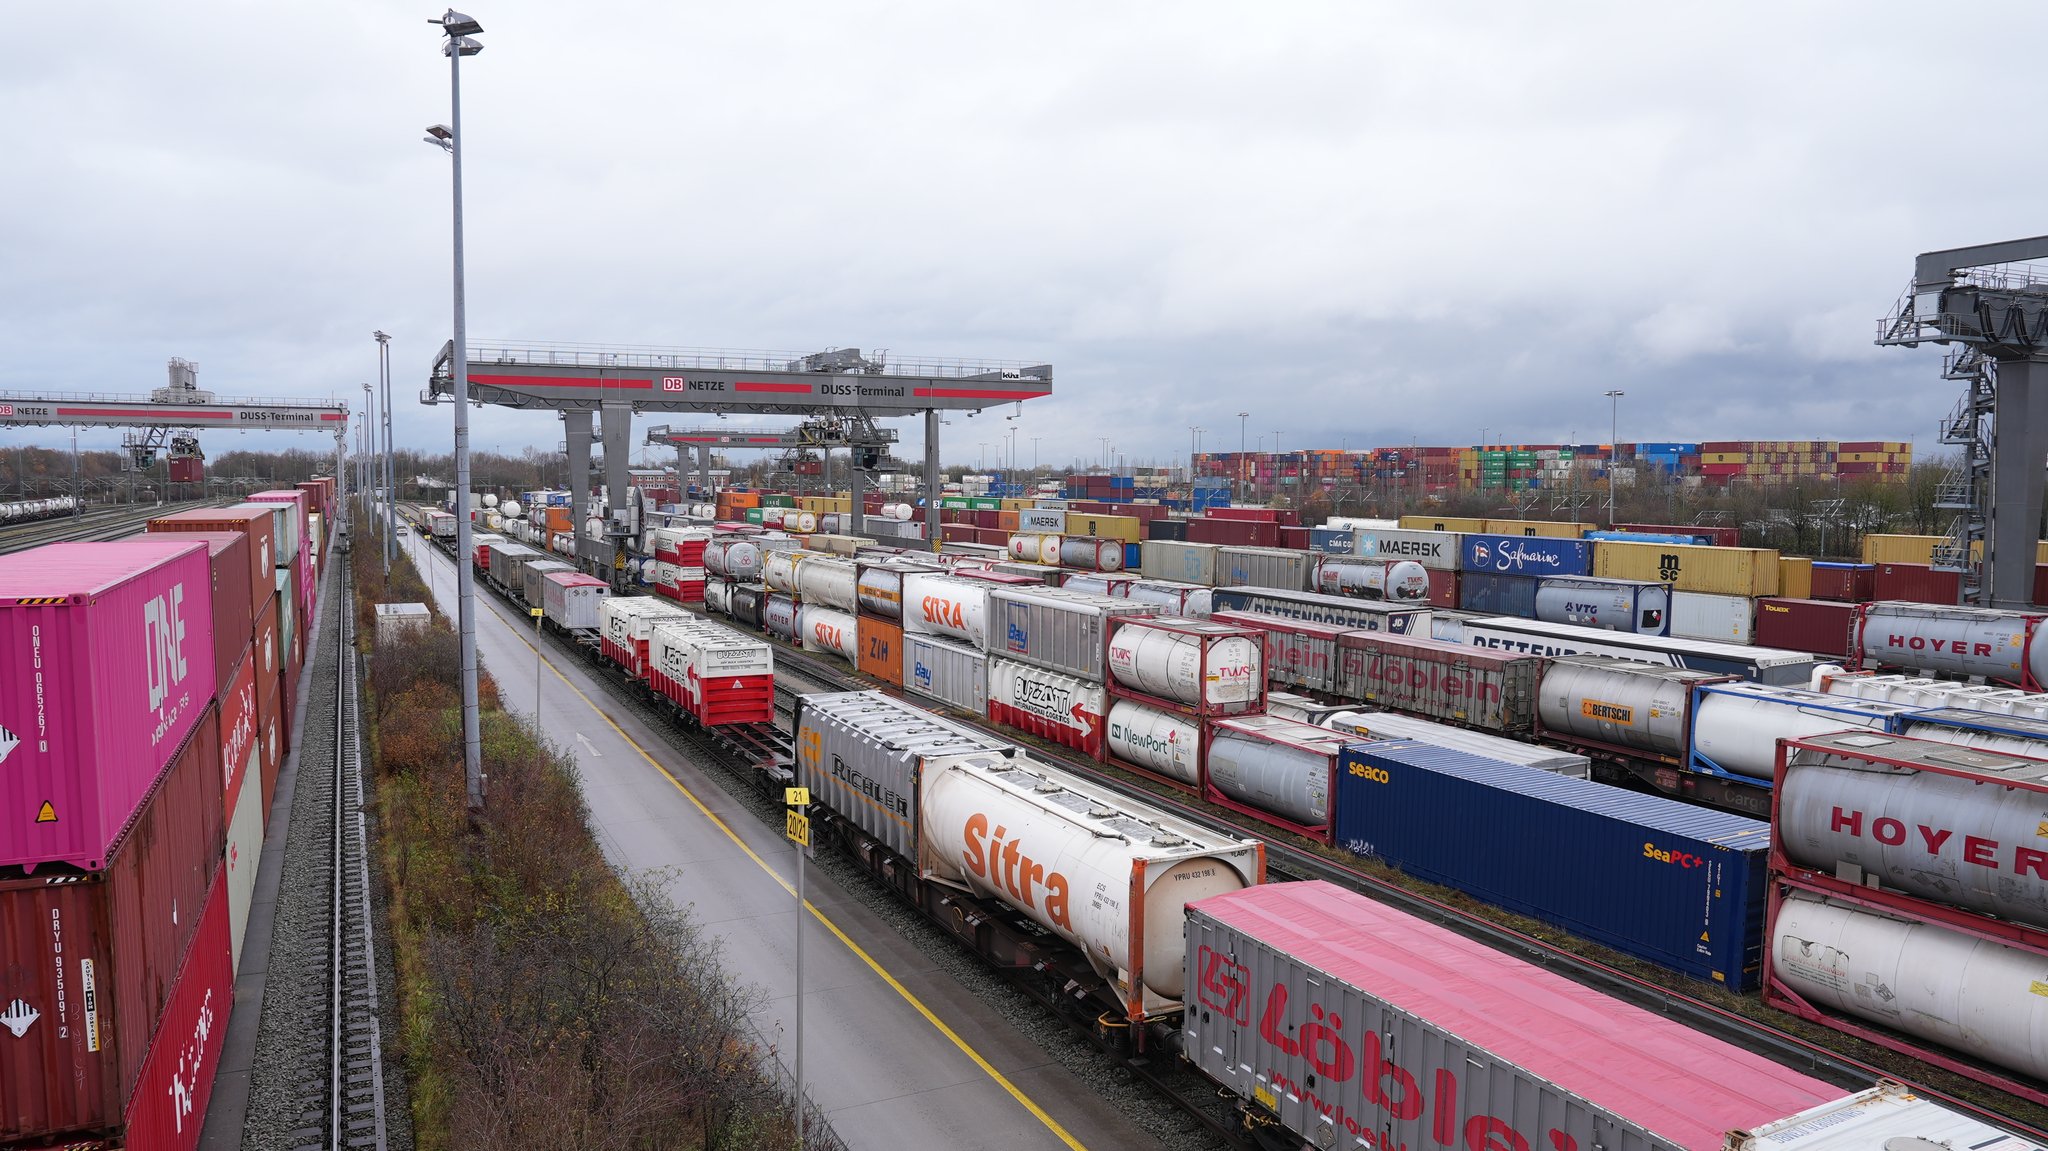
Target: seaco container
{"type": "Point", "coordinates": [945, 671]}
{"type": "Point", "coordinates": [1677, 885]}
{"type": "Point", "coordinates": [1370, 615]}
{"type": "Point", "coordinates": [1357, 1025]}
{"type": "Point", "coordinates": [106, 654]}
{"type": "Point", "coordinates": [1056, 629]}
{"type": "Point", "coordinates": [1526, 555]}
{"type": "Point", "coordinates": [863, 755]}
{"type": "Point", "coordinates": [1048, 704]}
{"type": "Point", "coordinates": [1448, 681]}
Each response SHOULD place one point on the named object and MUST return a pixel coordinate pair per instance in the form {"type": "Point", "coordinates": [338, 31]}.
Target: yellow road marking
{"type": "Point", "coordinates": [909, 997]}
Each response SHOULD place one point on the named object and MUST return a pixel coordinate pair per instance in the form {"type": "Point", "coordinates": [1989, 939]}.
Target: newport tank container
{"type": "Point", "coordinates": [1402, 580]}
{"type": "Point", "coordinates": [1054, 628]}
{"type": "Point", "coordinates": [949, 672]}
{"type": "Point", "coordinates": [828, 630]}
{"type": "Point", "coordinates": [1620, 703]}
{"type": "Point", "coordinates": [1448, 681]}
{"type": "Point", "coordinates": [779, 616]}
{"type": "Point", "coordinates": [1283, 568]}
{"type": "Point", "coordinates": [863, 756]}
{"type": "Point", "coordinates": [1091, 554]}
{"type": "Point", "coordinates": [1109, 874]}
{"type": "Point", "coordinates": [947, 606]}
{"type": "Point", "coordinates": [1736, 726]}
{"type": "Point", "coordinates": [1367, 615]}
{"type": "Point", "coordinates": [569, 600]}
{"type": "Point", "coordinates": [1678, 885]}
{"type": "Point", "coordinates": [1922, 979]}
{"type": "Point", "coordinates": [1346, 1022]}
{"type": "Point", "coordinates": [1035, 547]}
{"type": "Point", "coordinates": [1961, 641]}
{"type": "Point", "coordinates": [1193, 563]}
{"type": "Point", "coordinates": [1609, 604]}
{"type": "Point", "coordinates": [1097, 583]}
{"type": "Point", "coordinates": [1182, 599]}
{"type": "Point", "coordinates": [1437, 551]}
{"type": "Point", "coordinates": [1279, 770]}
{"type": "Point", "coordinates": [1377, 725]}
{"type": "Point", "coordinates": [106, 666]}
{"type": "Point", "coordinates": [1211, 668]}
{"type": "Point", "coordinates": [1062, 708]}
{"type": "Point", "coordinates": [1165, 743]}
{"type": "Point", "coordinates": [828, 581]}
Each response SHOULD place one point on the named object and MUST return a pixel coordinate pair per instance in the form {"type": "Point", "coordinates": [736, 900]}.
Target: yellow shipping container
{"type": "Point", "coordinates": [1885, 549]}
{"type": "Point", "coordinates": [1795, 577]}
{"type": "Point", "coordinates": [1690, 567]}
{"type": "Point", "coordinates": [1129, 529]}
{"type": "Point", "coordinates": [836, 545]}
{"type": "Point", "coordinates": [1724, 458]}
{"type": "Point", "coordinates": [1016, 505]}
{"type": "Point", "coordinates": [1442, 524]}
{"type": "Point", "coordinates": [1552, 528]}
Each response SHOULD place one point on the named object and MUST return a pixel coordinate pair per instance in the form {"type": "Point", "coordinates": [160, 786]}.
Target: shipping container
{"type": "Point", "coordinates": [881, 649]}
{"type": "Point", "coordinates": [878, 586]}
{"type": "Point", "coordinates": [1437, 551]}
{"type": "Point", "coordinates": [1401, 580]}
{"type": "Point", "coordinates": [1264, 567]}
{"type": "Point", "coordinates": [1198, 667]}
{"type": "Point", "coordinates": [1916, 583]}
{"type": "Point", "coordinates": [1999, 645]}
{"type": "Point", "coordinates": [1526, 555]}
{"type": "Point", "coordinates": [1452, 524]}
{"type": "Point", "coordinates": [1376, 725]}
{"type": "Point", "coordinates": [828, 631]}
{"type": "Point", "coordinates": [532, 573]}
{"type": "Point", "coordinates": [270, 734]}
{"type": "Point", "coordinates": [1368, 615]}
{"type": "Point", "coordinates": [1490, 593]}
{"type": "Point", "coordinates": [624, 624]}
{"type": "Point", "coordinates": [1823, 627]}
{"type": "Point", "coordinates": [167, 1108]}
{"type": "Point", "coordinates": [1056, 629]}
{"type": "Point", "coordinates": [1848, 583]}
{"type": "Point", "coordinates": [1064, 709]}
{"type": "Point", "coordinates": [1096, 583]}
{"type": "Point", "coordinates": [714, 673]}
{"type": "Point", "coordinates": [1176, 598]}
{"type": "Point", "coordinates": [570, 600]}
{"type": "Point", "coordinates": [1273, 769]}
{"type": "Point", "coordinates": [1675, 884]}
{"type": "Point", "coordinates": [1295, 652]}
{"type": "Point", "coordinates": [1487, 1050]}
{"type": "Point", "coordinates": [243, 854]}
{"type": "Point", "coordinates": [1534, 637]}
{"type": "Point", "coordinates": [258, 524]}
{"type": "Point", "coordinates": [232, 603]}
{"type": "Point", "coordinates": [1177, 560]}
{"type": "Point", "coordinates": [781, 616]}
{"type": "Point", "coordinates": [1723, 618]}
{"type": "Point", "coordinates": [1458, 683]}
{"type": "Point", "coordinates": [1795, 577]}
{"type": "Point", "coordinates": [107, 652]}
{"type": "Point", "coordinates": [238, 722]}
{"type": "Point", "coordinates": [1747, 572]}
{"type": "Point", "coordinates": [863, 755]}
{"type": "Point", "coordinates": [1546, 529]}
{"type": "Point", "coordinates": [947, 671]}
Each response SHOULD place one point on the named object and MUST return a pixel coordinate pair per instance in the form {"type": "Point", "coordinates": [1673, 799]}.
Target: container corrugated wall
{"type": "Point", "coordinates": [863, 754]}
{"type": "Point", "coordinates": [1281, 568]}
{"type": "Point", "coordinates": [1178, 560]}
{"type": "Point", "coordinates": [1055, 628]}
{"type": "Point", "coordinates": [949, 672]}
{"type": "Point", "coordinates": [1455, 682]}
{"type": "Point", "coordinates": [1691, 568]}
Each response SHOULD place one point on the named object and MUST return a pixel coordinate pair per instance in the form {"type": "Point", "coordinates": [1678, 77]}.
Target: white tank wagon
{"type": "Point", "coordinates": [1210, 667]}
{"type": "Point", "coordinates": [1620, 704]}
{"type": "Point", "coordinates": [1963, 641]}
{"type": "Point", "coordinates": [1364, 578]}
{"type": "Point", "coordinates": [1736, 726]}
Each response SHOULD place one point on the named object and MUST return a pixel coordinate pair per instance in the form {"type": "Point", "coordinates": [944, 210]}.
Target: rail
{"type": "Point", "coordinates": [355, 1089]}
{"type": "Point", "coordinates": [576, 355]}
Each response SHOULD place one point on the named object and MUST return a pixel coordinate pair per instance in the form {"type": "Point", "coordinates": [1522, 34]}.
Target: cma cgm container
{"type": "Point", "coordinates": [1369, 615]}
{"type": "Point", "coordinates": [1352, 1024]}
{"type": "Point", "coordinates": [1526, 555]}
{"type": "Point", "coordinates": [1678, 885]}
{"type": "Point", "coordinates": [1456, 682]}
{"type": "Point", "coordinates": [1056, 629]}
{"type": "Point", "coordinates": [106, 657]}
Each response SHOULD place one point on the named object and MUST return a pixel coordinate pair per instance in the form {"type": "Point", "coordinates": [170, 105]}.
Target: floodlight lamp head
{"type": "Point", "coordinates": [444, 145]}
{"type": "Point", "coordinates": [461, 44]}
{"type": "Point", "coordinates": [457, 24]}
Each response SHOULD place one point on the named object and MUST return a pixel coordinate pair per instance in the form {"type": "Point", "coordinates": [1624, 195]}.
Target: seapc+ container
{"type": "Point", "coordinates": [1677, 885]}
{"type": "Point", "coordinates": [1378, 725]}
{"type": "Point", "coordinates": [945, 671]}
{"type": "Point", "coordinates": [1368, 615]}
{"type": "Point", "coordinates": [1056, 629]}
{"type": "Point", "coordinates": [1965, 641]}
{"type": "Point", "coordinates": [1050, 705]}
{"type": "Point", "coordinates": [1273, 769]}
{"type": "Point", "coordinates": [1736, 726]}
{"type": "Point", "coordinates": [1620, 706]}
{"type": "Point", "coordinates": [570, 600]}
{"type": "Point", "coordinates": [1350, 1023]}
{"type": "Point", "coordinates": [1199, 667]}
{"type": "Point", "coordinates": [1455, 682]}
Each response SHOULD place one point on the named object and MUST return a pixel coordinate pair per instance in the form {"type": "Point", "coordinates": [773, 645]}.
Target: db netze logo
{"type": "Point", "coordinates": [163, 643]}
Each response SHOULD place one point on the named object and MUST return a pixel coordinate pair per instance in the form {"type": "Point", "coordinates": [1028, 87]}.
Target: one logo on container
{"type": "Point", "coordinates": [163, 645]}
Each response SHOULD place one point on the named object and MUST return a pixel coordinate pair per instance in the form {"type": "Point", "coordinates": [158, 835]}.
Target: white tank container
{"type": "Point", "coordinates": [779, 616]}
{"type": "Point", "coordinates": [1034, 548]}
{"type": "Point", "coordinates": [1275, 765]}
{"type": "Point", "coordinates": [1617, 701]}
{"type": "Point", "coordinates": [878, 588]}
{"type": "Point", "coordinates": [1170, 664]}
{"type": "Point", "coordinates": [826, 630]}
{"type": "Point", "coordinates": [493, 522]}
{"type": "Point", "coordinates": [490, 501]}
{"type": "Point", "coordinates": [1955, 990]}
{"type": "Point", "coordinates": [1090, 553]}
{"type": "Point", "coordinates": [1612, 605]}
{"type": "Point", "coordinates": [1403, 580]}
{"type": "Point", "coordinates": [1954, 640]}
{"type": "Point", "coordinates": [1182, 599]}
{"type": "Point", "coordinates": [1376, 725]}
{"type": "Point", "coordinates": [1165, 742]}
{"type": "Point", "coordinates": [946, 606]}
{"type": "Point", "coordinates": [779, 569]}
{"type": "Point", "coordinates": [827, 581]}
{"type": "Point", "coordinates": [801, 521]}
{"type": "Point", "coordinates": [510, 508]}
{"type": "Point", "coordinates": [1738, 725]}
{"type": "Point", "coordinates": [898, 512]}
{"type": "Point", "coordinates": [718, 596]}
{"type": "Point", "coordinates": [593, 528]}
{"type": "Point", "coordinates": [1049, 844]}
{"type": "Point", "coordinates": [736, 557]}
{"type": "Point", "coordinates": [1098, 583]}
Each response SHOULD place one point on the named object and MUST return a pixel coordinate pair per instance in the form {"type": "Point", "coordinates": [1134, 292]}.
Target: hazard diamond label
{"type": "Point", "coordinates": [48, 813]}
{"type": "Point", "coordinates": [8, 742]}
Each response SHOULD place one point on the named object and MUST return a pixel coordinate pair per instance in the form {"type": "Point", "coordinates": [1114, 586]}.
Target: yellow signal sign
{"type": "Point", "coordinates": [799, 828]}
{"type": "Point", "coordinates": [534, 612]}
{"type": "Point", "coordinates": [796, 796]}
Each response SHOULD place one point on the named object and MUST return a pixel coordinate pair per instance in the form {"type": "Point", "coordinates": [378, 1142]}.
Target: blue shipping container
{"type": "Point", "coordinates": [1365, 615]}
{"type": "Point", "coordinates": [1526, 555]}
{"type": "Point", "coordinates": [1495, 594]}
{"type": "Point", "coordinates": [1133, 555]}
{"type": "Point", "coordinates": [1334, 541]}
{"type": "Point", "coordinates": [1674, 884]}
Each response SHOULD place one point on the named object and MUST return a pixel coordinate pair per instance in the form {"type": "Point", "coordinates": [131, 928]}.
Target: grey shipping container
{"type": "Point", "coordinates": [1371, 725]}
{"type": "Point", "coordinates": [1368, 615]}
{"type": "Point", "coordinates": [951, 673]}
{"type": "Point", "coordinates": [1178, 560]}
{"type": "Point", "coordinates": [862, 753]}
{"type": "Point", "coordinates": [529, 578]}
{"type": "Point", "coordinates": [1285, 568]}
{"type": "Point", "coordinates": [1055, 628]}
{"type": "Point", "coordinates": [1459, 683]}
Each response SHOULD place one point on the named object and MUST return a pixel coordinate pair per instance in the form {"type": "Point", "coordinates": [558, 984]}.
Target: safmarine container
{"type": "Point", "coordinates": [1455, 682]}
{"type": "Point", "coordinates": [947, 671]}
{"type": "Point", "coordinates": [1526, 555]}
{"type": "Point", "coordinates": [1691, 568]}
{"type": "Point", "coordinates": [1369, 615]}
{"type": "Point", "coordinates": [1353, 1024]}
{"type": "Point", "coordinates": [106, 652]}
{"type": "Point", "coordinates": [1668, 882]}
{"type": "Point", "coordinates": [863, 755]}
{"type": "Point", "coordinates": [1065, 709]}
{"type": "Point", "coordinates": [1056, 629]}
{"type": "Point", "coordinates": [1282, 568]}
{"type": "Point", "coordinates": [258, 524]}
{"type": "Point", "coordinates": [1273, 769]}
{"type": "Point", "coordinates": [1178, 560]}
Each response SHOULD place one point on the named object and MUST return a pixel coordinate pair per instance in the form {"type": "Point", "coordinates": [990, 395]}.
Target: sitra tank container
{"type": "Point", "coordinates": [1955, 640]}
{"type": "Point", "coordinates": [1608, 604]}
{"type": "Point", "coordinates": [1620, 703]}
{"type": "Point", "coordinates": [1165, 743]}
{"type": "Point", "coordinates": [1090, 553]}
{"type": "Point", "coordinates": [1736, 726]}
{"type": "Point", "coordinates": [826, 630]}
{"type": "Point", "coordinates": [1403, 580]}
{"type": "Point", "coordinates": [827, 581]}
{"type": "Point", "coordinates": [1047, 843]}
{"type": "Point", "coordinates": [1212, 668]}
{"type": "Point", "coordinates": [779, 616]}
{"type": "Point", "coordinates": [1277, 769]}
{"type": "Point", "coordinates": [946, 606]}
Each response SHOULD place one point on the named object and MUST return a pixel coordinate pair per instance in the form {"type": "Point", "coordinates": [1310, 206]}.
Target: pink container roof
{"type": "Point", "coordinates": [86, 569]}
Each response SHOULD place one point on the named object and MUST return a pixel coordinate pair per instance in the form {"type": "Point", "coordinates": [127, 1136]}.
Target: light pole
{"type": "Point", "coordinates": [390, 488]}
{"type": "Point", "coordinates": [1613, 445]}
{"type": "Point", "coordinates": [1194, 449]}
{"type": "Point", "coordinates": [366, 445]}
{"type": "Point", "coordinates": [1242, 479]}
{"type": "Point", "coordinates": [459, 29]}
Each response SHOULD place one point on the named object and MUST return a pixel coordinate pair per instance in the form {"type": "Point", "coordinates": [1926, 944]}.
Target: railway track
{"type": "Point", "coordinates": [92, 527]}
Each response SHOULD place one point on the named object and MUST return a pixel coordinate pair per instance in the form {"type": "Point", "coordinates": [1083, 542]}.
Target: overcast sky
{"type": "Point", "coordinates": [1362, 223]}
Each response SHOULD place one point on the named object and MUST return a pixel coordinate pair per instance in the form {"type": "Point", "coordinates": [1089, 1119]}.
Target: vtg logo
{"type": "Point", "coordinates": [163, 643]}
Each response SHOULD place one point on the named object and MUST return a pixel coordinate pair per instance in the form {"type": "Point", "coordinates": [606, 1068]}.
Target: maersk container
{"type": "Point", "coordinates": [1402, 580]}
{"type": "Point", "coordinates": [1962, 641]}
{"type": "Point", "coordinates": [1179, 560]}
{"type": "Point", "coordinates": [1454, 682]}
{"type": "Point", "coordinates": [1621, 704]}
{"type": "Point", "coordinates": [1274, 769]}
{"type": "Point", "coordinates": [569, 600]}
{"type": "Point", "coordinates": [1368, 615]}
{"type": "Point", "coordinates": [1065, 709]}
{"type": "Point", "coordinates": [1295, 652]}
{"type": "Point", "coordinates": [951, 673]}
{"type": "Point", "coordinates": [1283, 568]}
{"type": "Point", "coordinates": [1393, 725]}
{"type": "Point", "coordinates": [1677, 885]}
{"type": "Point", "coordinates": [862, 754]}
{"type": "Point", "coordinates": [1353, 1024]}
{"type": "Point", "coordinates": [1725, 618]}
{"type": "Point", "coordinates": [106, 656]}
{"type": "Point", "coordinates": [947, 606]}
{"type": "Point", "coordinates": [1092, 554]}
{"type": "Point", "coordinates": [1761, 664]}
{"type": "Point", "coordinates": [828, 581]}
{"type": "Point", "coordinates": [1526, 555]}
{"type": "Point", "coordinates": [1055, 628]}
{"type": "Point", "coordinates": [1182, 599]}
{"type": "Point", "coordinates": [1493, 594]}
{"type": "Point", "coordinates": [1607, 604]}
{"type": "Point", "coordinates": [1164, 743]}
{"type": "Point", "coordinates": [1736, 726]}
{"type": "Point", "coordinates": [826, 630]}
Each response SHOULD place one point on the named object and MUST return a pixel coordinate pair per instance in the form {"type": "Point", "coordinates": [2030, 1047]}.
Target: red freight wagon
{"type": "Point", "coordinates": [1824, 627]}
{"type": "Point", "coordinates": [106, 651]}
{"type": "Point", "coordinates": [257, 525]}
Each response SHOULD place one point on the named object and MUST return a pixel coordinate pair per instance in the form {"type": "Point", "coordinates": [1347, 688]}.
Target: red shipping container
{"type": "Point", "coordinates": [168, 1107]}
{"type": "Point", "coordinates": [95, 956]}
{"type": "Point", "coordinates": [239, 718]}
{"type": "Point", "coordinates": [987, 518]}
{"type": "Point", "coordinates": [232, 603]}
{"type": "Point", "coordinates": [267, 644]}
{"type": "Point", "coordinates": [1824, 627]}
{"type": "Point", "coordinates": [1260, 515]}
{"type": "Point", "coordinates": [1848, 583]}
{"type": "Point", "coordinates": [316, 494]}
{"type": "Point", "coordinates": [1294, 537]}
{"type": "Point", "coordinates": [1443, 588]}
{"type": "Point", "coordinates": [270, 736]}
{"type": "Point", "coordinates": [958, 533]}
{"type": "Point", "coordinates": [258, 526]}
{"type": "Point", "coordinates": [1918, 583]}
{"type": "Point", "coordinates": [107, 653]}
{"type": "Point", "coordinates": [188, 470]}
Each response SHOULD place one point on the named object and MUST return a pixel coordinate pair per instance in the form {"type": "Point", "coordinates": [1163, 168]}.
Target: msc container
{"type": "Point", "coordinates": [1736, 726]}
{"type": "Point", "coordinates": [947, 606]}
{"type": "Point", "coordinates": [106, 655]}
{"type": "Point", "coordinates": [1091, 553]}
{"type": "Point", "coordinates": [1294, 652]}
{"type": "Point", "coordinates": [1961, 641]}
{"type": "Point", "coordinates": [256, 524]}
{"type": "Point", "coordinates": [949, 672]}
{"type": "Point", "coordinates": [1055, 628]}
{"type": "Point", "coordinates": [1445, 1041]}
{"type": "Point", "coordinates": [1368, 615]}
{"type": "Point", "coordinates": [1402, 580]}
{"type": "Point", "coordinates": [750, 604]}
{"type": "Point", "coordinates": [1488, 593]}
{"type": "Point", "coordinates": [1374, 725]}
{"type": "Point", "coordinates": [1282, 568]}
{"type": "Point", "coordinates": [1607, 604]}
{"type": "Point", "coordinates": [1677, 885]}
{"type": "Point", "coordinates": [1848, 583]}
{"type": "Point", "coordinates": [569, 600]}
{"type": "Point", "coordinates": [1155, 742]}
{"type": "Point", "coordinates": [95, 956]}
{"type": "Point", "coordinates": [779, 616]}
{"type": "Point", "coordinates": [1622, 705]}
{"type": "Point", "coordinates": [1437, 551]}
{"type": "Point", "coordinates": [1178, 560]}
{"type": "Point", "coordinates": [828, 581]}
{"type": "Point", "coordinates": [1202, 668]}
{"type": "Point", "coordinates": [1182, 599]}
{"type": "Point", "coordinates": [1273, 769]}
{"type": "Point", "coordinates": [168, 1106]}
{"type": "Point", "coordinates": [1526, 555]}
{"type": "Point", "coordinates": [1761, 664]}
{"type": "Point", "coordinates": [1107, 873]}
{"type": "Point", "coordinates": [531, 575]}
{"type": "Point", "coordinates": [1747, 572]}
{"type": "Point", "coordinates": [825, 630]}
{"type": "Point", "coordinates": [1823, 627]}
{"type": "Point", "coordinates": [881, 648]}
{"type": "Point", "coordinates": [1097, 583]}
{"type": "Point", "coordinates": [1448, 681]}
{"type": "Point", "coordinates": [863, 755]}
{"type": "Point", "coordinates": [1062, 708]}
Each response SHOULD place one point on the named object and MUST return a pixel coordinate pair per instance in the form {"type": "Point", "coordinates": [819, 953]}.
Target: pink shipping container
{"type": "Point", "coordinates": [106, 651]}
{"type": "Point", "coordinates": [258, 524]}
{"type": "Point", "coordinates": [95, 956]}
{"type": "Point", "coordinates": [1454, 682]}
{"type": "Point", "coordinates": [168, 1107]}
{"type": "Point", "coordinates": [239, 719]}
{"type": "Point", "coordinates": [228, 555]}
{"type": "Point", "coordinates": [1298, 653]}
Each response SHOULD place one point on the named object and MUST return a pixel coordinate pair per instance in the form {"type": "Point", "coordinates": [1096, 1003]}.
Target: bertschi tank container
{"type": "Point", "coordinates": [1163, 743]}
{"type": "Point", "coordinates": [946, 606]}
{"type": "Point", "coordinates": [1200, 667]}
{"type": "Point", "coordinates": [1957, 640]}
{"type": "Point", "coordinates": [1909, 821]}
{"type": "Point", "coordinates": [1062, 708]}
{"type": "Point", "coordinates": [1109, 874]}
{"type": "Point", "coordinates": [1677, 885]}
{"type": "Point", "coordinates": [1403, 580]}
{"type": "Point", "coordinates": [826, 630]}
{"type": "Point", "coordinates": [862, 754]}
{"type": "Point", "coordinates": [1275, 769]}
{"type": "Point", "coordinates": [106, 666]}
{"type": "Point", "coordinates": [1736, 726]}
{"type": "Point", "coordinates": [1620, 704]}
{"type": "Point", "coordinates": [1608, 604]}
{"type": "Point", "coordinates": [1359, 1026]}
{"type": "Point", "coordinates": [1283, 568]}
{"type": "Point", "coordinates": [1830, 954]}
{"type": "Point", "coordinates": [624, 623]}
{"type": "Point", "coordinates": [1091, 554]}
{"type": "Point", "coordinates": [1056, 629]}
{"type": "Point", "coordinates": [1376, 725]}
{"type": "Point", "coordinates": [1182, 599]}
{"type": "Point", "coordinates": [1474, 686]}
{"type": "Point", "coordinates": [950, 673]}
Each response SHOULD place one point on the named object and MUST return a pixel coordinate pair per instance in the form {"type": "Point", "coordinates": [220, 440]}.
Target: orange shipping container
{"type": "Point", "coordinates": [881, 649]}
